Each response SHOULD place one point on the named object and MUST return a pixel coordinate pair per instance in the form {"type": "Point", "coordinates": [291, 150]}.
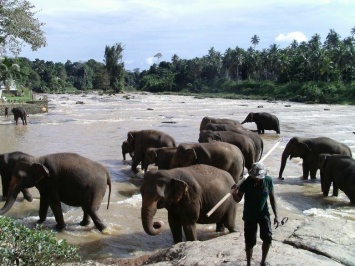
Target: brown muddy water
{"type": "Point", "coordinates": [97, 128]}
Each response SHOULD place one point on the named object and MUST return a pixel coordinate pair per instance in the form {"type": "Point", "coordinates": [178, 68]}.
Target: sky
{"type": "Point", "coordinates": [79, 30]}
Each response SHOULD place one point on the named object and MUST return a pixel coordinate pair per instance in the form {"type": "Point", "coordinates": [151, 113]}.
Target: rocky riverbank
{"type": "Point", "coordinates": [303, 240]}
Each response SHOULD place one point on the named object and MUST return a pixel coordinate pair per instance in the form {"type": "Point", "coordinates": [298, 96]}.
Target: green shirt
{"type": "Point", "coordinates": [255, 198]}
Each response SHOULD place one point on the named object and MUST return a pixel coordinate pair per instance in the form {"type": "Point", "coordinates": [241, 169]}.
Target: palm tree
{"type": "Point", "coordinates": [158, 55]}
{"type": "Point", "coordinates": [255, 40]}
{"type": "Point", "coordinates": [352, 31]}
{"type": "Point", "coordinates": [9, 71]}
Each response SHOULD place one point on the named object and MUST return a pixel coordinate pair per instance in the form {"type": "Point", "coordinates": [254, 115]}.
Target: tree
{"type": "Point", "coordinates": [9, 70]}
{"type": "Point", "coordinates": [158, 55]}
{"type": "Point", "coordinates": [115, 66]}
{"type": "Point", "coordinates": [18, 25]}
{"type": "Point", "coordinates": [255, 40]}
{"type": "Point", "coordinates": [352, 31]}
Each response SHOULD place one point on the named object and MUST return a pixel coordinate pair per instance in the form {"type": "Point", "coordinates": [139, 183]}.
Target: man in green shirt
{"type": "Point", "coordinates": [258, 187]}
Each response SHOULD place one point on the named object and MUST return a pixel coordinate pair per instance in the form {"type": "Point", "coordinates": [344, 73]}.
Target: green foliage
{"type": "Point", "coordinates": [18, 25]}
{"type": "Point", "coordinates": [25, 246]}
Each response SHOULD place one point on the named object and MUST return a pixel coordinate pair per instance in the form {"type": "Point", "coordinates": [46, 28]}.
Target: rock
{"type": "Point", "coordinates": [79, 102]}
{"type": "Point", "coordinates": [300, 241]}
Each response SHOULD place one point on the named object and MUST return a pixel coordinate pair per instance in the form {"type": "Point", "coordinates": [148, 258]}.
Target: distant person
{"type": "Point", "coordinates": [6, 112]}
{"type": "Point", "coordinates": [258, 187]}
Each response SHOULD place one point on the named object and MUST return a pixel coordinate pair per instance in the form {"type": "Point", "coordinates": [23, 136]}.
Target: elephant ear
{"type": "Point", "coordinates": [322, 161]}
{"type": "Point", "coordinates": [39, 172]}
{"type": "Point", "coordinates": [191, 155]}
{"type": "Point", "coordinates": [305, 146]}
{"type": "Point", "coordinates": [179, 189]}
{"type": "Point", "coordinates": [251, 116]}
{"type": "Point", "coordinates": [217, 137]}
{"type": "Point", "coordinates": [151, 155]}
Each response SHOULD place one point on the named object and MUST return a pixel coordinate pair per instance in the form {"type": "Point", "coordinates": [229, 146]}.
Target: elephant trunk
{"type": "Point", "coordinates": [150, 227]}
{"type": "Point", "coordinates": [10, 200]}
{"type": "Point", "coordinates": [284, 157]}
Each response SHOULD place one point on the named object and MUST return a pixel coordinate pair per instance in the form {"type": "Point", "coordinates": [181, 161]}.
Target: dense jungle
{"type": "Point", "coordinates": [311, 72]}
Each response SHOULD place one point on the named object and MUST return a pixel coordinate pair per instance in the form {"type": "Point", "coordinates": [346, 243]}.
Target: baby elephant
{"type": "Point", "coordinates": [263, 121]}
{"type": "Point", "coordinates": [19, 112]}
{"type": "Point", "coordinates": [62, 177]}
{"type": "Point", "coordinates": [339, 170]}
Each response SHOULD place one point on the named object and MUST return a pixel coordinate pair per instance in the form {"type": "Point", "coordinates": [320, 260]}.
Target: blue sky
{"type": "Point", "coordinates": [79, 30]}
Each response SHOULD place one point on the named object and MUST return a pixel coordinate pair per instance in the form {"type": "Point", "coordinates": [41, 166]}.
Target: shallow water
{"type": "Point", "coordinates": [97, 128]}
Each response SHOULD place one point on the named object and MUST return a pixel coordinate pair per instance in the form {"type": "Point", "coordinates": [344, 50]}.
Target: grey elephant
{"type": "Point", "coordinates": [309, 150]}
{"type": "Point", "coordinates": [7, 165]}
{"type": "Point", "coordinates": [141, 140]}
{"type": "Point", "coordinates": [19, 112]}
{"type": "Point", "coordinates": [244, 143]}
{"type": "Point", "coordinates": [258, 141]}
{"type": "Point", "coordinates": [214, 120]}
{"type": "Point", "coordinates": [188, 193]}
{"type": "Point", "coordinates": [62, 177]}
{"type": "Point", "coordinates": [126, 148]}
{"type": "Point", "coordinates": [161, 157]}
{"type": "Point", "coordinates": [222, 155]}
{"type": "Point", "coordinates": [264, 121]}
{"type": "Point", "coordinates": [339, 170]}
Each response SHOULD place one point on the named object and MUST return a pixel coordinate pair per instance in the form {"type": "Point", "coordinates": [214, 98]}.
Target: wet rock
{"type": "Point", "coordinates": [287, 105]}
{"type": "Point", "coordinates": [79, 102]}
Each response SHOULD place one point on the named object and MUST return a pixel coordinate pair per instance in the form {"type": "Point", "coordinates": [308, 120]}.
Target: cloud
{"type": "Point", "coordinates": [150, 60]}
{"type": "Point", "coordinates": [289, 37]}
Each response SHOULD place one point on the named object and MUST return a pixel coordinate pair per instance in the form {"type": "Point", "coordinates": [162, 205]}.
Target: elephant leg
{"type": "Point", "coordinates": [58, 214]}
{"type": "Point", "coordinates": [230, 220]}
{"type": "Point", "coordinates": [313, 173]}
{"type": "Point", "coordinates": [100, 225]}
{"type": "Point", "coordinates": [5, 185]}
{"type": "Point", "coordinates": [43, 209]}
{"type": "Point", "coordinates": [135, 163]}
{"type": "Point", "coordinates": [220, 227]}
{"type": "Point", "coordinates": [335, 190]}
{"type": "Point", "coordinates": [175, 227]}
{"type": "Point", "coordinates": [27, 195]}
{"type": "Point", "coordinates": [305, 168]}
{"type": "Point", "coordinates": [86, 219]}
{"type": "Point", "coordinates": [190, 232]}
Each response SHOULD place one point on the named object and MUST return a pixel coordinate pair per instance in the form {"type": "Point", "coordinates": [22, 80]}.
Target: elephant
{"type": "Point", "coordinates": [258, 141]}
{"type": "Point", "coordinates": [222, 155]}
{"type": "Point", "coordinates": [309, 150]}
{"type": "Point", "coordinates": [19, 112]}
{"type": "Point", "coordinates": [7, 165]}
{"type": "Point", "coordinates": [62, 177]}
{"type": "Point", "coordinates": [161, 157]}
{"type": "Point", "coordinates": [126, 148]}
{"type": "Point", "coordinates": [244, 143]}
{"type": "Point", "coordinates": [339, 170]}
{"type": "Point", "coordinates": [188, 193]}
{"type": "Point", "coordinates": [207, 120]}
{"type": "Point", "coordinates": [263, 121]}
{"type": "Point", "coordinates": [141, 140]}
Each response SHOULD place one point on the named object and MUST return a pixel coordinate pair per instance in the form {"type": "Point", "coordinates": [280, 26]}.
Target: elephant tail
{"type": "Point", "coordinates": [109, 188]}
{"type": "Point", "coordinates": [261, 150]}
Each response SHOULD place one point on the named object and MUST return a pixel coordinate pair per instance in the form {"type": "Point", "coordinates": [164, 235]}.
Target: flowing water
{"type": "Point", "coordinates": [97, 128]}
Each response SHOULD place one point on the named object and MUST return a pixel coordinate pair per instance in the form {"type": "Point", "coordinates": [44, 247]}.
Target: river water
{"type": "Point", "coordinates": [97, 128]}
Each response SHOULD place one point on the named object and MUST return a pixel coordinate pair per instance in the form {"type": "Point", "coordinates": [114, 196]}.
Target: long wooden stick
{"type": "Point", "coordinates": [242, 180]}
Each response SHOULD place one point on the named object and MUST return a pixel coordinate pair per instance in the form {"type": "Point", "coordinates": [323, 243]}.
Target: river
{"type": "Point", "coordinates": [97, 127]}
